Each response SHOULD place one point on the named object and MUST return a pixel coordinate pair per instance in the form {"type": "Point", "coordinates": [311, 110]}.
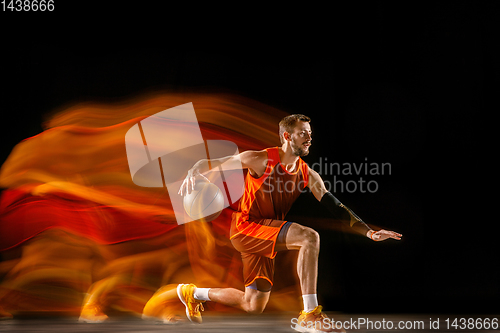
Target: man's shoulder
{"type": "Point", "coordinates": [255, 154]}
{"type": "Point", "coordinates": [255, 160]}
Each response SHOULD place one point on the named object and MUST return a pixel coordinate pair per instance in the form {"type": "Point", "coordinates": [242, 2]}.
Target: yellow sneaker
{"type": "Point", "coordinates": [170, 318]}
{"type": "Point", "coordinates": [92, 313]}
{"type": "Point", "coordinates": [163, 305]}
{"type": "Point", "coordinates": [315, 321]}
{"type": "Point", "coordinates": [193, 306]}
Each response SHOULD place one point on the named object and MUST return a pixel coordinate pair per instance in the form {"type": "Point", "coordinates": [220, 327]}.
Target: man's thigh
{"type": "Point", "coordinates": [296, 234]}
{"type": "Point", "coordinates": [258, 299]}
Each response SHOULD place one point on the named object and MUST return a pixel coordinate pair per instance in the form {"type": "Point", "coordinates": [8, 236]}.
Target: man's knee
{"type": "Point", "coordinates": [256, 308]}
{"type": "Point", "coordinates": [301, 236]}
{"type": "Point", "coordinates": [256, 301]}
{"type": "Point", "coordinates": [310, 237]}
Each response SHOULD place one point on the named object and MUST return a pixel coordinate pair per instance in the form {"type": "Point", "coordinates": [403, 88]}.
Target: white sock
{"type": "Point", "coordinates": [310, 302]}
{"type": "Point", "coordinates": [201, 294]}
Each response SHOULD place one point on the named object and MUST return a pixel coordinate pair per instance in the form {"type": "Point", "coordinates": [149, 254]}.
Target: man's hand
{"type": "Point", "coordinates": [188, 183]}
{"type": "Point", "coordinates": [383, 235]}
{"type": "Point", "coordinates": [190, 180]}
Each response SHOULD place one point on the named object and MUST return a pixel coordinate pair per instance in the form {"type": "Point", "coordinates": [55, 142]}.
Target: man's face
{"type": "Point", "coordinates": [301, 138]}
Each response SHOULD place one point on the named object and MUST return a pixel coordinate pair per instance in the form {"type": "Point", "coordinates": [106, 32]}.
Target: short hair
{"type": "Point", "coordinates": [288, 123]}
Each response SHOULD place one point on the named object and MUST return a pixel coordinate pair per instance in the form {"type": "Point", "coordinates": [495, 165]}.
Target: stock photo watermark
{"type": "Point", "coordinates": [162, 147]}
{"type": "Point", "coordinates": [363, 323]}
{"type": "Point", "coordinates": [335, 173]}
{"type": "Point", "coordinates": [337, 177]}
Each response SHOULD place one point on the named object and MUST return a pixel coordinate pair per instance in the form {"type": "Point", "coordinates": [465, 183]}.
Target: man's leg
{"type": "Point", "coordinates": [306, 240]}
{"type": "Point", "coordinates": [252, 300]}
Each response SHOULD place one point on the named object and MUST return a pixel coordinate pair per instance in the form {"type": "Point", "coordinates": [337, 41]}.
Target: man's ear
{"type": "Point", "coordinates": [287, 136]}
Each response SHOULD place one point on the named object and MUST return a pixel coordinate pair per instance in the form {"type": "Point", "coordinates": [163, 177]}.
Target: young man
{"type": "Point", "coordinates": [276, 177]}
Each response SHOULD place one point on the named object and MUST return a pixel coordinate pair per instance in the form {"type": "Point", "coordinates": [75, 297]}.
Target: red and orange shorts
{"type": "Point", "coordinates": [258, 245]}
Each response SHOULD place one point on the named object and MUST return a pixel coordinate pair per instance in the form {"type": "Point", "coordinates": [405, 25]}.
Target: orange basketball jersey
{"type": "Point", "coordinates": [268, 198]}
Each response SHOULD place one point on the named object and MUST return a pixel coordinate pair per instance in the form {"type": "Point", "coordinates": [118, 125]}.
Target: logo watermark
{"type": "Point", "coordinates": [163, 147]}
{"type": "Point", "coordinates": [334, 175]}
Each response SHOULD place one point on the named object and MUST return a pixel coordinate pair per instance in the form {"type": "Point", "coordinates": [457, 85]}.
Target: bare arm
{"type": "Point", "coordinates": [342, 212]}
{"type": "Point", "coordinates": [316, 185]}
{"type": "Point", "coordinates": [255, 161]}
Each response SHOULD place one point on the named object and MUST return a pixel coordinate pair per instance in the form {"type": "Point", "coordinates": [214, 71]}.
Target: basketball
{"type": "Point", "coordinates": [205, 202]}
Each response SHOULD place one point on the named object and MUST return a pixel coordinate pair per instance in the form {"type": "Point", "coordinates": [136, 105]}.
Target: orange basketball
{"type": "Point", "coordinates": [205, 202]}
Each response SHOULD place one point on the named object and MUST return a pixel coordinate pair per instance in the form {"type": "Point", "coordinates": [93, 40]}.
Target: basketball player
{"type": "Point", "coordinates": [275, 178]}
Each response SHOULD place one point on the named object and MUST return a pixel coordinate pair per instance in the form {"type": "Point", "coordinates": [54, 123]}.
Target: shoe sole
{"type": "Point", "coordinates": [179, 294]}
{"type": "Point", "coordinates": [90, 321]}
{"type": "Point", "coordinates": [298, 328]}
{"type": "Point", "coordinates": [302, 329]}
{"type": "Point", "coordinates": [159, 319]}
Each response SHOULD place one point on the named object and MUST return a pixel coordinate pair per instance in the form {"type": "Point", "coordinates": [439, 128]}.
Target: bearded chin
{"type": "Point", "coordinates": [298, 151]}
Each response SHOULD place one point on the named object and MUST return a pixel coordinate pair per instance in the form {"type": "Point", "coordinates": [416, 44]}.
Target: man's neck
{"type": "Point", "coordinates": [288, 158]}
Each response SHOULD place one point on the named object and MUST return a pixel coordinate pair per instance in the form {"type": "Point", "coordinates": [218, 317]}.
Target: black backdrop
{"type": "Point", "coordinates": [407, 84]}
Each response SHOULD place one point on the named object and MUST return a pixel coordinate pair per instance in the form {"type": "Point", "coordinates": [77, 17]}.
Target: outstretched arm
{"type": "Point", "coordinates": [342, 212]}
{"type": "Point", "coordinates": [252, 160]}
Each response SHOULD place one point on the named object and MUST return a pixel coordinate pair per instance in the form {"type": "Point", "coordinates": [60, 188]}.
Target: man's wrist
{"type": "Point", "coordinates": [370, 233]}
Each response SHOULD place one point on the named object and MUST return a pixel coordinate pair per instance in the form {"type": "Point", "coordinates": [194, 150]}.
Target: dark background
{"type": "Point", "coordinates": [412, 84]}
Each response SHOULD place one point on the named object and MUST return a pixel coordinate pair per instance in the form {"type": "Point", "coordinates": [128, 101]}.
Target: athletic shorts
{"type": "Point", "coordinates": [258, 251]}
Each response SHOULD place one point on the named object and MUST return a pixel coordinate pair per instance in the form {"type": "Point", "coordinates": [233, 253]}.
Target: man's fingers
{"type": "Point", "coordinates": [384, 234]}
{"type": "Point", "coordinates": [192, 183]}
{"type": "Point", "coordinates": [182, 186]}
{"type": "Point", "coordinates": [188, 185]}
{"type": "Point", "coordinates": [395, 235]}
{"type": "Point", "coordinates": [185, 184]}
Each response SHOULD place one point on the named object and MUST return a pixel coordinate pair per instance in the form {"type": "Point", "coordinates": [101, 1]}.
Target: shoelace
{"type": "Point", "coordinates": [199, 307]}
{"type": "Point", "coordinates": [322, 316]}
